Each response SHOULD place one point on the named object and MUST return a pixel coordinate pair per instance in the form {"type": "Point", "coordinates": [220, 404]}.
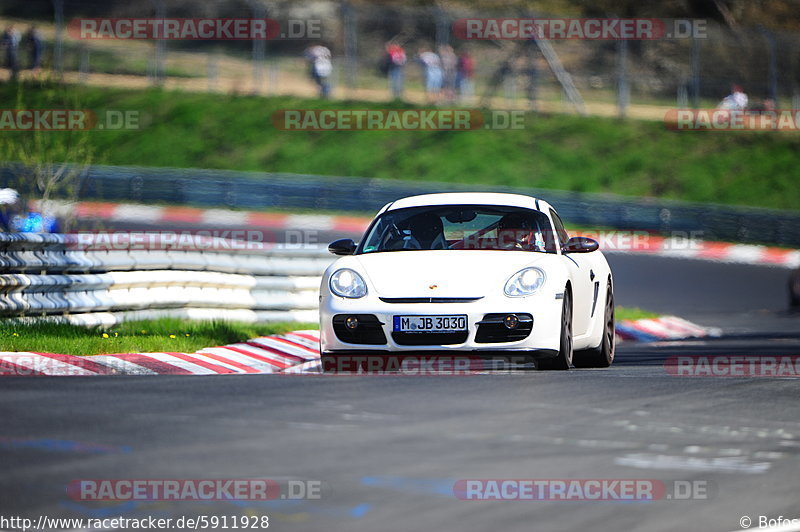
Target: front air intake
{"type": "Point", "coordinates": [429, 299]}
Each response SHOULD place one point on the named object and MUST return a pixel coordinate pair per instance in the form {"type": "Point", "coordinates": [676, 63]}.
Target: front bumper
{"type": "Point", "coordinates": [544, 309]}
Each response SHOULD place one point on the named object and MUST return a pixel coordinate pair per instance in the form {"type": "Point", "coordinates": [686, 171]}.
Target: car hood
{"type": "Point", "coordinates": [444, 273]}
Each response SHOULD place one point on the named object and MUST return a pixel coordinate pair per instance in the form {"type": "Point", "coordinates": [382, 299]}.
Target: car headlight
{"type": "Point", "coordinates": [525, 282]}
{"type": "Point", "coordinates": [347, 283]}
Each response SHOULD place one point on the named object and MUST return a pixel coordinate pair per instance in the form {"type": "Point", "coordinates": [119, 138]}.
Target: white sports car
{"type": "Point", "coordinates": [486, 274]}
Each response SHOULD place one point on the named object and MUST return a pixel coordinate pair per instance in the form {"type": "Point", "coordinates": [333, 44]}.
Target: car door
{"type": "Point", "coordinates": [583, 280]}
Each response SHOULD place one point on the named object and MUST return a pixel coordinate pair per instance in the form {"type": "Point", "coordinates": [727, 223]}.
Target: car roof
{"type": "Point", "coordinates": [470, 198]}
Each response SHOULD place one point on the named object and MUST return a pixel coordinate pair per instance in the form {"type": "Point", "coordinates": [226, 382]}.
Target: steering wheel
{"type": "Point", "coordinates": [394, 238]}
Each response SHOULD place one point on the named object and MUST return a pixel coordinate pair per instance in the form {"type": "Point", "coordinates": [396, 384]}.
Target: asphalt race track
{"type": "Point", "coordinates": [389, 449]}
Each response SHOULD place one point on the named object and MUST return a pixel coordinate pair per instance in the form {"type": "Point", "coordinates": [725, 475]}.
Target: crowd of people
{"type": "Point", "coordinates": [31, 42]}
{"type": "Point", "coordinates": [738, 100]}
{"type": "Point", "coordinates": [447, 76]}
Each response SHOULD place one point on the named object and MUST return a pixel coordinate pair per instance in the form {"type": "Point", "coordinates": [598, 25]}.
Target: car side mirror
{"type": "Point", "coordinates": [581, 244]}
{"type": "Point", "coordinates": [344, 246]}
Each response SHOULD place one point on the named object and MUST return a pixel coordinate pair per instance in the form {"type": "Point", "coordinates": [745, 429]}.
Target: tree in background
{"type": "Point", "coordinates": [47, 164]}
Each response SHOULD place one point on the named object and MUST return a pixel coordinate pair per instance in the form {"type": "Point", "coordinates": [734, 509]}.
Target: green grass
{"type": "Point", "coordinates": [588, 154]}
{"type": "Point", "coordinates": [632, 313]}
{"type": "Point", "coordinates": [166, 334]}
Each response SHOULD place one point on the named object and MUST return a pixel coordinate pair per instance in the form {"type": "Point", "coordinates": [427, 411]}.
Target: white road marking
{"type": "Point", "coordinates": [719, 464]}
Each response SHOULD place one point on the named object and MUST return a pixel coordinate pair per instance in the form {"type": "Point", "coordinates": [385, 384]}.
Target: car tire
{"type": "Point", "coordinates": [563, 360]}
{"type": "Point", "coordinates": [601, 356]}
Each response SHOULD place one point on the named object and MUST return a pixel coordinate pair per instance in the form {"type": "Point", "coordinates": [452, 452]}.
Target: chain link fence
{"type": "Point", "coordinates": [693, 64]}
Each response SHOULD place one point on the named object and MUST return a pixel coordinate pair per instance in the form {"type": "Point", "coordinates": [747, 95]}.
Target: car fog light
{"type": "Point", "coordinates": [351, 322]}
{"type": "Point", "coordinates": [511, 321]}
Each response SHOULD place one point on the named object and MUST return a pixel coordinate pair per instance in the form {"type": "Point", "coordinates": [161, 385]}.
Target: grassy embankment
{"type": "Point", "coordinates": [588, 154]}
{"type": "Point", "coordinates": [165, 334]}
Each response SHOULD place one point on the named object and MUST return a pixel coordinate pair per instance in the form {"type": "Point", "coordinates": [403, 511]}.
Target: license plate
{"type": "Point", "coordinates": [423, 324]}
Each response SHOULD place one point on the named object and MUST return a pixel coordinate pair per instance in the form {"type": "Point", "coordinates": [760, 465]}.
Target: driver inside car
{"type": "Point", "coordinates": [423, 231]}
{"type": "Point", "coordinates": [517, 231]}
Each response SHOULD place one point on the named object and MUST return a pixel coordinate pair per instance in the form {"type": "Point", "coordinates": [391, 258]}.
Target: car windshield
{"type": "Point", "coordinates": [460, 227]}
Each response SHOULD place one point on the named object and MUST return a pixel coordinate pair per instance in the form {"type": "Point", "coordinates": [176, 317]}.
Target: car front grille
{"type": "Point", "coordinates": [404, 338]}
{"type": "Point", "coordinates": [429, 299]}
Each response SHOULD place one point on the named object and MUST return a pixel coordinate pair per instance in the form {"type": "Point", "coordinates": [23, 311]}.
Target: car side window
{"type": "Point", "coordinates": [559, 225]}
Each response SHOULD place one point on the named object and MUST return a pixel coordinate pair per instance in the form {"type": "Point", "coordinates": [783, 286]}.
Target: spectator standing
{"type": "Point", "coordinates": [432, 72]}
{"type": "Point", "coordinates": [449, 71]}
{"type": "Point", "coordinates": [393, 64]}
{"type": "Point", "coordinates": [736, 100]}
{"type": "Point", "coordinates": [465, 73]}
{"type": "Point", "coordinates": [11, 43]}
{"type": "Point", "coordinates": [320, 67]}
{"type": "Point", "coordinates": [765, 106]}
{"type": "Point", "coordinates": [33, 41]}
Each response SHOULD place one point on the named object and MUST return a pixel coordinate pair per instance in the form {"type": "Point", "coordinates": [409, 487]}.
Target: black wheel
{"type": "Point", "coordinates": [603, 355]}
{"type": "Point", "coordinates": [563, 360]}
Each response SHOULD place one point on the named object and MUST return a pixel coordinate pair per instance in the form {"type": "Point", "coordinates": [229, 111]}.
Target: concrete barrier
{"type": "Point", "coordinates": [91, 280]}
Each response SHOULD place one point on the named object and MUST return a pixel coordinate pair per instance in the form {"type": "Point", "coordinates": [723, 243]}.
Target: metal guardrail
{"type": "Point", "coordinates": [264, 191]}
{"type": "Point", "coordinates": [78, 276]}
{"type": "Point", "coordinates": [252, 190]}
